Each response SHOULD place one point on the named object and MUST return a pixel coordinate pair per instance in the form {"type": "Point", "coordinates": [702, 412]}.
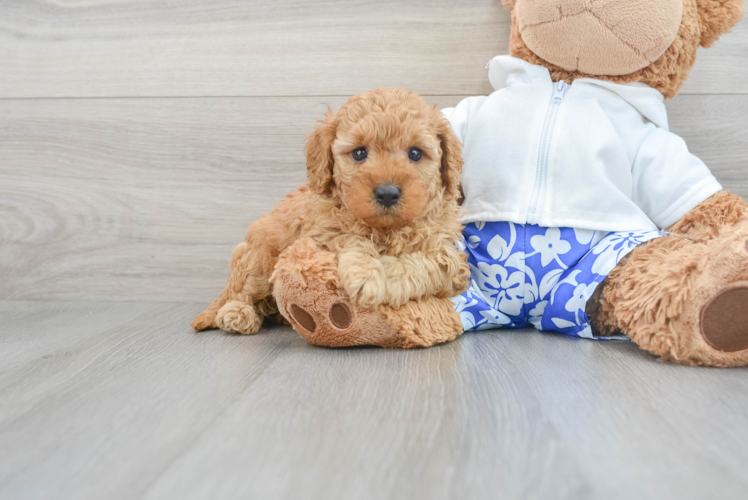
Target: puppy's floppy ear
{"type": "Point", "coordinates": [509, 4]}
{"type": "Point", "coordinates": [717, 17]}
{"type": "Point", "coordinates": [319, 157]}
{"type": "Point", "coordinates": [451, 170]}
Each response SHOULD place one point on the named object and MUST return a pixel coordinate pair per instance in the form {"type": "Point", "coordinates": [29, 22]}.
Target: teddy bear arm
{"type": "Point", "coordinates": [309, 294]}
{"type": "Point", "coordinates": [712, 217]}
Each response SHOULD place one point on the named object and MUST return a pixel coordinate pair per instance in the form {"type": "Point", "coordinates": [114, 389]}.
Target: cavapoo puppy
{"type": "Point", "coordinates": [380, 206]}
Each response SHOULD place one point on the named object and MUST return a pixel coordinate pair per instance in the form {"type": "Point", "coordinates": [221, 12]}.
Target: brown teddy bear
{"type": "Point", "coordinates": [571, 173]}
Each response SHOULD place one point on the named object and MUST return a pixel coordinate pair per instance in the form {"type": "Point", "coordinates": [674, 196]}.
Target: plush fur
{"type": "Point", "coordinates": [336, 237]}
{"type": "Point", "coordinates": [719, 213]}
{"type": "Point", "coordinates": [658, 295]}
{"type": "Point", "coordinates": [601, 38]}
{"type": "Point", "coordinates": [681, 297]}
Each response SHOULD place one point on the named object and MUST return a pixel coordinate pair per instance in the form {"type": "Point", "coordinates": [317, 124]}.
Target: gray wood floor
{"type": "Point", "coordinates": [137, 142]}
{"type": "Point", "coordinates": [122, 400]}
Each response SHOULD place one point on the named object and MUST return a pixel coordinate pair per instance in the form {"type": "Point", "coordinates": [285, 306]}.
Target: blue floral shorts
{"type": "Point", "coordinates": [526, 275]}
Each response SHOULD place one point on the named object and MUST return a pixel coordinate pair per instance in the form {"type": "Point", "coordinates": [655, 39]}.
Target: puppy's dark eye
{"type": "Point", "coordinates": [359, 154]}
{"type": "Point", "coordinates": [415, 154]}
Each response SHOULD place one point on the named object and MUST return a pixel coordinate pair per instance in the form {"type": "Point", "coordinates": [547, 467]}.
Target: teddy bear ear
{"type": "Point", "coordinates": [717, 17]}
{"type": "Point", "coordinates": [509, 4]}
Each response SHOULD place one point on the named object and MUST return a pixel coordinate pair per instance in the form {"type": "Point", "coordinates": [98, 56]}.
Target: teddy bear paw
{"type": "Point", "coordinates": [724, 320]}
{"type": "Point", "coordinates": [339, 317]}
{"type": "Point", "coordinates": [718, 312]}
{"type": "Point", "coordinates": [322, 313]}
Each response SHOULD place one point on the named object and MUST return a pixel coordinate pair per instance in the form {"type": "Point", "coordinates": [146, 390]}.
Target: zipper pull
{"type": "Point", "coordinates": [559, 91]}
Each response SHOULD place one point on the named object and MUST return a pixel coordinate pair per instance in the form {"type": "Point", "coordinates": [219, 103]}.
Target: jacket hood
{"type": "Point", "coordinates": [504, 71]}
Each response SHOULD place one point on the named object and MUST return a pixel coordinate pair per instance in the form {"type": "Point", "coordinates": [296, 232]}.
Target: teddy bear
{"type": "Point", "coordinates": [583, 214]}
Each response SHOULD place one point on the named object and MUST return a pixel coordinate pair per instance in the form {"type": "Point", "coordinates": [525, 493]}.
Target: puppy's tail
{"type": "Point", "coordinates": [206, 320]}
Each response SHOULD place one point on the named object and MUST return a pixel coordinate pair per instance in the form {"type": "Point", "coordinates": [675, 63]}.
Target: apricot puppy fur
{"type": "Point", "coordinates": [382, 194]}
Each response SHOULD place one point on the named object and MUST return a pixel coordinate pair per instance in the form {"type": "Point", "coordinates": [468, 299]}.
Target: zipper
{"type": "Point", "coordinates": [535, 208]}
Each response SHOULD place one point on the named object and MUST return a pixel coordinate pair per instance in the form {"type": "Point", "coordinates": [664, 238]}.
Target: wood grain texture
{"type": "Point", "coordinates": [135, 199]}
{"type": "Point", "coordinates": [240, 48]}
{"type": "Point", "coordinates": [716, 130]}
{"type": "Point", "coordinates": [145, 408]}
{"type": "Point", "coordinates": [103, 415]}
{"type": "Point", "coordinates": [103, 48]}
{"type": "Point", "coordinates": [621, 408]}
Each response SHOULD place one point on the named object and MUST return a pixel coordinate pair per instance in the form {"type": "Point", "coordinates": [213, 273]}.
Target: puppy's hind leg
{"type": "Point", "coordinates": [206, 320]}
{"type": "Point", "coordinates": [245, 301]}
{"type": "Point", "coordinates": [238, 317]}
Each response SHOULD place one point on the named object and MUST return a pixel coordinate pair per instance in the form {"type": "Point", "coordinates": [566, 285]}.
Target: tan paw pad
{"type": "Point", "coordinates": [340, 316]}
{"type": "Point", "coordinates": [303, 318]}
{"type": "Point", "coordinates": [724, 320]}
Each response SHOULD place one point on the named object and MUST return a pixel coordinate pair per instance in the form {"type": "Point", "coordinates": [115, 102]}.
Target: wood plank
{"type": "Point", "coordinates": [456, 421]}
{"type": "Point", "coordinates": [31, 329]}
{"type": "Point", "coordinates": [148, 409]}
{"type": "Point", "coordinates": [643, 429]}
{"type": "Point", "coordinates": [101, 416]}
{"type": "Point", "coordinates": [126, 192]}
{"type": "Point", "coordinates": [258, 48]}
{"type": "Point", "coordinates": [139, 199]}
{"type": "Point", "coordinates": [108, 417]}
{"type": "Point", "coordinates": [100, 48]}
{"type": "Point", "coordinates": [721, 69]}
{"type": "Point", "coordinates": [714, 128]}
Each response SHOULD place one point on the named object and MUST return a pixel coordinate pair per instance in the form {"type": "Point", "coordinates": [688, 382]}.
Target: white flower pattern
{"type": "Point", "coordinates": [463, 303]}
{"type": "Point", "coordinates": [550, 246]}
{"type": "Point", "coordinates": [616, 246]}
{"type": "Point", "coordinates": [504, 289]}
{"type": "Point", "coordinates": [529, 275]}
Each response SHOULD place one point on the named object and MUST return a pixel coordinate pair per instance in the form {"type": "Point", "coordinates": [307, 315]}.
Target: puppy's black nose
{"type": "Point", "coordinates": [388, 195]}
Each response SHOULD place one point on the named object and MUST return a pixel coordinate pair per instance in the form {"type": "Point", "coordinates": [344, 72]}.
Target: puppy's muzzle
{"type": "Point", "coordinates": [388, 195]}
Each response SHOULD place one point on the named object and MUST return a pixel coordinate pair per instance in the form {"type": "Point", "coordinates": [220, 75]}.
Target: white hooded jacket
{"type": "Point", "coordinates": [593, 155]}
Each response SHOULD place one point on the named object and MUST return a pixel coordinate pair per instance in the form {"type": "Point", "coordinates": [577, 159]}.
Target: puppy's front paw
{"type": "Point", "coordinates": [372, 293]}
{"type": "Point", "coordinates": [362, 281]}
{"type": "Point", "coordinates": [367, 291]}
{"type": "Point", "coordinates": [398, 289]}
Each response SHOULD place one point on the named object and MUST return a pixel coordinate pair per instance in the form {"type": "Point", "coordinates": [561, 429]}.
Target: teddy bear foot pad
{"type": "Point", "coordinates": [724, 320]}
{"type": "Point", "coordinates": [339, 316]}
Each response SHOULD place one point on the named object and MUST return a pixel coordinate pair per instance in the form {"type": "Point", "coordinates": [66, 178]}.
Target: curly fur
{"type": "Point", "coordinates": [384, 256]}
{"type": "Point", "coordinates": [702, 24]}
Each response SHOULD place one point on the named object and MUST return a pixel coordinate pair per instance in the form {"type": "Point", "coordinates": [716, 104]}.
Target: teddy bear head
{"type": "Point", "coordinates": [648, 41]}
